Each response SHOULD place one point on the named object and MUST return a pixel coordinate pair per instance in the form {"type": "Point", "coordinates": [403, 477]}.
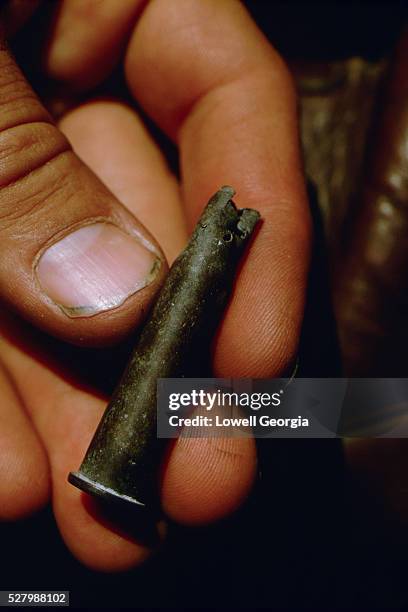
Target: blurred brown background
{"type": "Point", "coordinates": [354, 121]}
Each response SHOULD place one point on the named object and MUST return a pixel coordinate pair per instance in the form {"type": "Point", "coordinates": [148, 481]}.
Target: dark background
{"type": "Point", "coordinates": [308, 536]}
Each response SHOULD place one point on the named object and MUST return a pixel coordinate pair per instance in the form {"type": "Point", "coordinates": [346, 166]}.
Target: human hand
{"type": "Point", "coordinates": [209, 79]}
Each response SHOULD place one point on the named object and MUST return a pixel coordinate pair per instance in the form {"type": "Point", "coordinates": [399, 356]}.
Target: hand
{"type": "Point", "coordinates": [209, 79]}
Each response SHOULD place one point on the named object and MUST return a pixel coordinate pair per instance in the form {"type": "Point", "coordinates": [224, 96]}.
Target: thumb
{"type": "Point", "coordinates": [73, 260]}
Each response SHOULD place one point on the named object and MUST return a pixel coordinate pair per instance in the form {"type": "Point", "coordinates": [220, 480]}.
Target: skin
{"type": "Point", "coordinates": [213, 84]}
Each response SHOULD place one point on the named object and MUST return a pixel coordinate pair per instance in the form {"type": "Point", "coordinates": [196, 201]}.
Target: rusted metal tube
{"type": "Point", "coordinates": [123, 458]}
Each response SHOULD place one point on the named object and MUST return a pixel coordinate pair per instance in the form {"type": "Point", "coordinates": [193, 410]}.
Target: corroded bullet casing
{"type": "Point", "coordinates": [123, 458]}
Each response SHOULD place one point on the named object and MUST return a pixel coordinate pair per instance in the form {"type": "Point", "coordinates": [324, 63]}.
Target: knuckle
{"type": "Point", "coordinates": [33, 152]}
{"type": "Point", "coordinates": [26, 148]}
{"type": "Point", "coordinates": [35, 168]}
{"type": "Point", "coordinates": [18, 102]}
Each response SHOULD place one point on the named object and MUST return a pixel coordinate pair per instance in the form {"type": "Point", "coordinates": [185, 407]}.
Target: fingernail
{"type": "Point", "coordinates": [95, 268]}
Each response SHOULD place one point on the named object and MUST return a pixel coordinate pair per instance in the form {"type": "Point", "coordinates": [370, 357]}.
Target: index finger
{"type": "Point", "coordinates": [209, 78]}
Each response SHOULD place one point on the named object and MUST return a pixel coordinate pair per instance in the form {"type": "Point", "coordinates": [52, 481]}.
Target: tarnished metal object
{"type": "Point", "coordinates": [123, 458]}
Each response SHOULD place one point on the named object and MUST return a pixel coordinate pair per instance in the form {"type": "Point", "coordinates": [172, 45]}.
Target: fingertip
{"type": "Point", "coordinates": [205, 479]}
{"type": "Point", "coordinates": [83, 34]}
{"type": "Point", "coordinates": [98, 537]}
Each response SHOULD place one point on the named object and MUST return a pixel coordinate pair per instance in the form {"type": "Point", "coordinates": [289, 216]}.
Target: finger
{"type": "Point", "coordinates": [73, 260]}
{"type": "Point", "coordinates": [84, 32]}
{"type": "Point", "coordinates": [135, 169]}
{"type": "Point", "coordinates": [207, 479]}
{"type": "Point", "coordinates": [65, 417]}
{"type": "Point", "coordinates": [212, 82]}
{"type": "Point", "coordinates": [204, 479]}
{"type": "Point", "coordinates": [24, 476]}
